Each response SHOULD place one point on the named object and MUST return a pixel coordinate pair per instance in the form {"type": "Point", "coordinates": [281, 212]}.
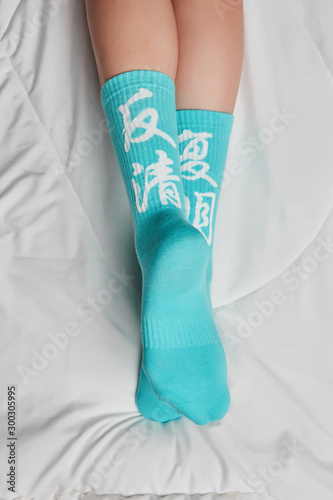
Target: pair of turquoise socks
{"type": "Point", "coordinates": [172, 165]}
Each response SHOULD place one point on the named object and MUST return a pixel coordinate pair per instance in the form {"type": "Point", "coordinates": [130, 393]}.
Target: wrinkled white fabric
{"type": "Point", "coordinates": [70, 282]}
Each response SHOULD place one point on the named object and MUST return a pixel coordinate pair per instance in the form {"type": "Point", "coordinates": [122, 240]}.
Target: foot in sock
{"type": "Point", "coordinates": [203, 142]}
{"type": "Point", "coordinates": [149, 404]}
{"type": "Point", "coordinates": [183, 356]}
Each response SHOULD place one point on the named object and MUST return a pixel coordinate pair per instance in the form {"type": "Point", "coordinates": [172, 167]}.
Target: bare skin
{"type": "Point", "coordinates": [133, 34]}
{"type": "Point", "coordinates": [198, 43]}
{"type": "Point", "coordinates": [210, 39]}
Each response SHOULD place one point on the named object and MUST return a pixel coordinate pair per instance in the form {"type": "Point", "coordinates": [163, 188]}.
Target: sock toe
{"type": "Point", "coordinates": [150, 406]}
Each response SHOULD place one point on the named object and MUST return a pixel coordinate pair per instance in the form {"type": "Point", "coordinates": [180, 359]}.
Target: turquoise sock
{"type": "Point", "coordinates": [203, 146]}
{"type": "Point", "coordinates": [183, 357]}
{"type": "Point", "coordinates": [203, 137]}
{"type": "Point", "coordinates": [149, 404]}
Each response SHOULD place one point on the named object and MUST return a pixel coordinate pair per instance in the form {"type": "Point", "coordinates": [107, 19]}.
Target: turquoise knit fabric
{"type": "Point", "coordinates": [183, 357]}
{"type": "Point", "coordinates": [203, 146]}
{"type": "Point", "coordinates": [203, 143]}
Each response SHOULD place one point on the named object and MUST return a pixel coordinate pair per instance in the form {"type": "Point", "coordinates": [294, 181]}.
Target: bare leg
{"type": "Point", "coordinates": [210, 38]}
{"type": "Point", "coordinates": [132, 35]}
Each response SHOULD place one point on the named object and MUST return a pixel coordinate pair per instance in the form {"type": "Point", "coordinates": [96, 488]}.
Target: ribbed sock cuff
{"type": "Point", "coordinates": [202, 187]}
{"type": "Point", "coordinates": [178, 332]}
{"type": "Point", "coordinates": [123, 81]}
{"type": "Point", "coordinates": [203, 118]}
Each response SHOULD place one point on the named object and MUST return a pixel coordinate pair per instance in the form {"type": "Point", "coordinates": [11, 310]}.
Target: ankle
{"type": "Point", "coordinates": [155, 228]}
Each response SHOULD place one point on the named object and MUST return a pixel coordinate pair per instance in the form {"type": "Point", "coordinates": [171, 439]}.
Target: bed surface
{"type": "Point", "coordinates": [70, 282]}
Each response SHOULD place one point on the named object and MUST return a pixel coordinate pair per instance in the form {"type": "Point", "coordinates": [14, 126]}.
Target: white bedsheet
{"type": "Point", "coordinates": [69, 279]}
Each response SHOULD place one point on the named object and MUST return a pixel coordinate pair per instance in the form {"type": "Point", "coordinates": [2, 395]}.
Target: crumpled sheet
{"type": "Point", "coordinates": [70, 282]}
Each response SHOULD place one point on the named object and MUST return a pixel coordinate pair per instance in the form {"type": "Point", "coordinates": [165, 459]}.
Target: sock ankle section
{"type": "Point", "coordinates": [182, 332]}
{"type": "Point", "coordinates": [203, 138]}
